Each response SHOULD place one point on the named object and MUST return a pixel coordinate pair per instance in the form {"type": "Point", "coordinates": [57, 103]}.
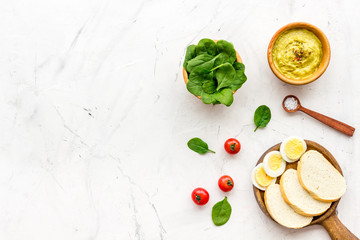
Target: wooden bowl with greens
{"type": "Point", "coordinates": [213, 71]}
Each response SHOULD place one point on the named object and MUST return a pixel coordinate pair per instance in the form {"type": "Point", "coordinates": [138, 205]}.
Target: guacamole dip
{"type": "Point", "coordinates": [297, 53]}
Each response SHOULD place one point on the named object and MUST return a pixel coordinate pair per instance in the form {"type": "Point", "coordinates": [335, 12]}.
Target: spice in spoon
{"type": "Point", "coordinates": [291, 103]}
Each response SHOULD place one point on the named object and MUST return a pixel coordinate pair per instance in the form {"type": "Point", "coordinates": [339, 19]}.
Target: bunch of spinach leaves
{"type": "Point", "coordinates": [213, 73]}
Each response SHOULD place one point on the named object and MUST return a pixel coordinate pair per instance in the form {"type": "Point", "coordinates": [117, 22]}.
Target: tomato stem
{"type": "Point", "coordinates": [232, 146]}
{"type": "Point", "coordinates": [229, 182]}
{"type": "Point", "coordinates": [197, 198]}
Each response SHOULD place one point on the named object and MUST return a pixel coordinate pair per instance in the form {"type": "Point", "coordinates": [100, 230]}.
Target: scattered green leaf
{"type": "Point", "coordinates": [262, 116]}
{"type": "Point", "coordinates": [199, 146]}
{"type": "Point", "coordinates": [221, 212]}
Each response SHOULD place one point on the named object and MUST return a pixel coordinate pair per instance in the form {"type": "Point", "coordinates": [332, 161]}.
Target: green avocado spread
{"type": "Point", "coordinates": [297, 53]}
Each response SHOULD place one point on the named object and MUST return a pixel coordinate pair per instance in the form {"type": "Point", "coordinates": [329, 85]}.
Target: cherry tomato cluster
{"type": "Point", "coordinates": [199, 195]}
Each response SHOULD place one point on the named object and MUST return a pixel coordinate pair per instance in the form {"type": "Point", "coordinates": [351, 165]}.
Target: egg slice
{"type": "Point", "coordinates": [292, 148]}
{"type": "Point", "coordinates": [260, 179]}
{"type": "Point", "coordinates": [274, 165]}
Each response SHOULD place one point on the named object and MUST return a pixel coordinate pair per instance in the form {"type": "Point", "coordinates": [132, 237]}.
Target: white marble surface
{"type": "Point", "coordinates": [95, 116]}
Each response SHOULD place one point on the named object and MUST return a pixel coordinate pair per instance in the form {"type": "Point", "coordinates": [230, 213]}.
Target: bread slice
{"type": "Point", "coordinates": [298, 198]}
{"type": "Point", "coordinates": [321, 179]}
{"type": "Point", "coordinates": [280, 211]}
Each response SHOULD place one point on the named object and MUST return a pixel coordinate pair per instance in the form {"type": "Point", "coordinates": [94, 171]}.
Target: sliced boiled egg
{"type": "Point", "coordinates": [292, 148]}
{"type": "Point", "coordinates": [274, 165]}
{"type": "Point", "coordinates": [260, 179]}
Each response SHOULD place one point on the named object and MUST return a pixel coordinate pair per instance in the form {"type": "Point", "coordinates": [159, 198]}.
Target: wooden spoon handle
{"type": "Point", "coordinates": [340, 126]}
{"type": "Point", "coordinates": [336, 229]}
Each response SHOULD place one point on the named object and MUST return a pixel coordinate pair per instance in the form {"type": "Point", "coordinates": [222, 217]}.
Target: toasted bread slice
{"type": "Point", "coordinates": [298, 198]}
{"type": "Point", "coordinates": [280, 211]}
{"type": "Point", "coordinates": [321, 179]}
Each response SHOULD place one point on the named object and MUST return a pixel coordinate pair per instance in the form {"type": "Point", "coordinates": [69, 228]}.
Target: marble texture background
{"type": "Point", "coordinates": [95, 116]}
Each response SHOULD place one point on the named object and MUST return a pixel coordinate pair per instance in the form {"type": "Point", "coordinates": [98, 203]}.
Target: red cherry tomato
{"type": "Point", "coordinates": [226, 183]}
{"type": "Point", "coordinates": [232, 146]}
{"type": "Point", "coordinates": [200, 196]}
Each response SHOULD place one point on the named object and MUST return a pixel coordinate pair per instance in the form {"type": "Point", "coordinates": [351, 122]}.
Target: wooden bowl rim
{"type": "Point", "coordinates": [185, 74]}
{"type": "Point", "coordinates": [323, 64]}
{"type": "Point", "coordinates": [313, 145]}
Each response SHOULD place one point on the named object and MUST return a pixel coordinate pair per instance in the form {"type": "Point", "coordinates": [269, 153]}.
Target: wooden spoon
{"type": "Point", "coordinates": [340, 126]}
{"type": "Point", "coordinates": [329, 219]}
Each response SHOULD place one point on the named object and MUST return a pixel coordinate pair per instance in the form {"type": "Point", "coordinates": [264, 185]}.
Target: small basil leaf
{"type": "Point", "coordinates": [225, 75]}
{"type": "Point", "coordinates": [206, 61]}
{"type": "Point", "coordinates": [224, 96]}
{"type": "Point", "coordinates": [199, 146]}
{"type": "Point", "coordinates": [206, 46]}
{"type": "Point", "coordinates": [221, 212]}
{"type": "Point", "coordinates": [190, 54]}
{"type": "Point", "coordinates": [227, 48]}
{"type": "Point", "coordinates": [194, 88]}
{"type": "Point", "coordinates": [209, 86]}
{"type": "Point", "coordinates": [262, 116]}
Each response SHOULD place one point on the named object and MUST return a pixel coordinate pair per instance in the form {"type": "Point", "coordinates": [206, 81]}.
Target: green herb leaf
{"type": "Point", "coordinates": [199, 146]}
{"type": "Point", "coordinates": [206, 46]}
{"type": "Point", "coordinates": [262, 116]}
{"type": "Point", "coordinates": [227, 48]}
{"type": "Point", "coordinates": [194, 88]}
{"type": "Point", "coordinates": [222, 58]}
{"type": "Point", "coordinates": [221, 212]}
{"type": "Point", "coordinates": [204, 60]}
{"type": "Point", "coordinates": [199, 75]}
{"type": "Point", "coordinates": [209, 86]}
{"type": "Point", "coordinates": [224, 96]}
{"type": "Point", "coordinates": [208, 98]}
{"type": "Point", "coordinates": [190, 54]}
{"type": "Point", "coordinates": [240, 77]}
{"type": "Point", "coordinates": [225, 75]}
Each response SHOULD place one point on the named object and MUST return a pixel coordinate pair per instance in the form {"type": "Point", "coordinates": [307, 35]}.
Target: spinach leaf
{"type": "Point", "coordinates": [204, 60]}
{"type": "Point", "coordinates": [222, 58]}
{"type": "Point", "coordinates": [208, 98]}
{"type": "Point", "coordinates": [262, 116]}
{"type": "Point", "coordinates": [224, 96]}
{"type": "Point", "coordinates": [221, 212]}
{"type": "Point", "coordinates": [240, 77]}
{"type": "Point", "coordinates": [213, 71]}
{"type": "Point", "coordinates": [227, 48]}
{"type": "Point", "coordinates": [199, 75]}
{"type": "Point", "coordinates": [207, 46]}
{"type": "Point", "coordinates": [225, 75]}
{"type": "Point", "coordinates": [190, 54]}
{"type": "Point", "coordinates": [199, 146]}
{"type": "Point", "coordinates": [209, 86]}
{"type": "Point", "coordinates": [239, 67]}
{"type": "Point", "coordinates": [194, 88]}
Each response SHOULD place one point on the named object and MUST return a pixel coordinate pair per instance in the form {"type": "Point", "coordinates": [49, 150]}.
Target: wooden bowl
{"type": "Point", "coordinates": [185, 74]}
{"type": "Point", "coordinates": [323, 64]}
{"type": "Point", "coordinates": [328, 219]}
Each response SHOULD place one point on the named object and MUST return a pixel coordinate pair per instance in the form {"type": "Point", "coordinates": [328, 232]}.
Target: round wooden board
{"type": "Point", "coordinates": [259, 195]}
